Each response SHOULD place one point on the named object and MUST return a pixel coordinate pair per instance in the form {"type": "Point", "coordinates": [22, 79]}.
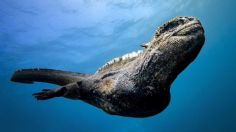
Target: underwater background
{"type": "Point", "coordinates": [80, 36]}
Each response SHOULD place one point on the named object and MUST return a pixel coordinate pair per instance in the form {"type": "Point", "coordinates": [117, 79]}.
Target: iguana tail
{"type": "Point", "coordinates": [46, 75]}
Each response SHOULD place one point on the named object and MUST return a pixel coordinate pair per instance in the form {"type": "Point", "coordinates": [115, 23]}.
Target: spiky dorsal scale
{"type": "Point", "coordinates": [119, 62]}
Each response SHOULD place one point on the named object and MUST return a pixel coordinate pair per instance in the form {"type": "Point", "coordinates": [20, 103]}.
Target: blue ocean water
{"type": "Point", "coordinates": [81, 35]}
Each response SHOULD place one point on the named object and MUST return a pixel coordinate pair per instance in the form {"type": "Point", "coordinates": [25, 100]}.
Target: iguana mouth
{"type": "Point", "coordinates": [189, 29]}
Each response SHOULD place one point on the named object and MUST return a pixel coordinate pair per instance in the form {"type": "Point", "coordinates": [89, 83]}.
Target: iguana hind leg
{"type": "Point", "coordinates": [46, 94]}
{"type": "Point", "coordinates": [71, 91]}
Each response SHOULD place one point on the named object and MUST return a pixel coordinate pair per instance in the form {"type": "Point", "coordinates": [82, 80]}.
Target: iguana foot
{"type": "Point", "coordinates": [45, 94]}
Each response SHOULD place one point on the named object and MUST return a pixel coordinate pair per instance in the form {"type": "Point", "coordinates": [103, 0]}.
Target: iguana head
{"type": "Point", "coordinates": [174, 46]}
{"type": "Point", "coordinates": [183, 29]}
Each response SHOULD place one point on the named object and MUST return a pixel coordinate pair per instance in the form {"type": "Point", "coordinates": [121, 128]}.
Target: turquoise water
{"type": "Point", "coordinates": [82, 35]}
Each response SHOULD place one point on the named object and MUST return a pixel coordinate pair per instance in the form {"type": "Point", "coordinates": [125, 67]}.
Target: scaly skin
{"type": "Point", "coordinates": [134, 87]}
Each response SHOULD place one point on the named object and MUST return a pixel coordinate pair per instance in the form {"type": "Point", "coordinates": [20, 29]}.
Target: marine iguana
{"type": "Point", "coordinates": [134, 85]}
